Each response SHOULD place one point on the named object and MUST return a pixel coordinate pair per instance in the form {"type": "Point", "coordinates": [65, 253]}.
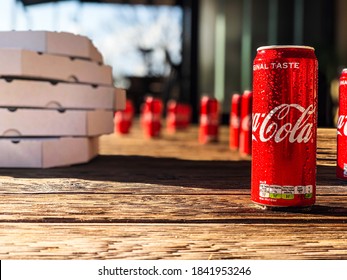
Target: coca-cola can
{"type": "Point", "coordinates": [341, 166]}
{"type": "Point", "coordinates": [209, 120]}
{"type": "Point", "coordinates": [235, 120]}
{"type": "Point", "coordinates": [123, 118]}
{"type": "Point", "coordinates": [185, 113]}
{"type": "Point", "coordinates": [178, 116]}
{"type": "Point", "coordinates": [284, 126]}
{"type": "Point", "coordinates": [151, 116]}
{"type": "Point", "coordinates": [245, 146]}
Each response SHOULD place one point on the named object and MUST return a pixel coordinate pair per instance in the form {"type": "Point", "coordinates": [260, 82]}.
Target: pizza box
{"type": "Point", "coordinates": [119, 99]}
{"type": "Point", "coordinates": [33, 65]}
{"type": "Point", "coordinates": [58, 43]}
{"type": "Point", "coordinates": [52, 122]}
{"type": "Point", "coordinates": [43, 94]}
{"type": "Point", "coordinates": [46, 152]}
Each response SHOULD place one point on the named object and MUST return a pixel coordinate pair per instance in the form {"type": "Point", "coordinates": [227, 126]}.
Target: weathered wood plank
{"type": "Point", "coordinates": [177, 177]}
{"type": "Point", "coordinates": [159, 208]}
{"type": "Point", "coordinates": [179, 199]}
{"type": "Point", "coordinates": [131, 174]}
{"type": "Point", "coordinates": [174, 160]}
{"type": "Point", "coordinates": [173, 241]}
{"type": "Point", "coordinates": [193, 180]}
{"type": "Point", "coordinates": [183, 145]}
{"type": "Point", "coordinates": [176, 163]}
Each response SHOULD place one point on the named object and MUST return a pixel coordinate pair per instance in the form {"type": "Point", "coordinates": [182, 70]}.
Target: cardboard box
{"type": "Point", "coordinates": [43, 94]}
{"type": "Point", "coordinates": [58, 43]}
{"type": "Point", "coordinates": [29, 64]}
{"type": "Point", "coordinates": [49, 152]}
{"type": "Point", "coordinates": [46, 122]}
{"type": "Point", "coordinates": [119, 99]}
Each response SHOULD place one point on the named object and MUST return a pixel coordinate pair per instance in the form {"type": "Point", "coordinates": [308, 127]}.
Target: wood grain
{"type": "Point", "coordinates": [159, 208]}
{"type": "Point", "coordinates": [173, 241]}
{"type": "Point", "coordinates": [168, 198]}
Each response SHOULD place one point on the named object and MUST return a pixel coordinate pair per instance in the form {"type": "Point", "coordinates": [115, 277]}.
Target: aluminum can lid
{"type": "Point", "coordinates": [284, 47]}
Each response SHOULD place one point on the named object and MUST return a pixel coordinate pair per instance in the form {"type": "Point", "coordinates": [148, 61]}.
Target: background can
{"type": "Point", "coordinates": [284, 126]}
{"type": "Point", "coordinates": [245, 146]}
{"type": "Point", "coordinates": [209, 120]}
{"type": "Point", "coordinates": [151, 116]}
{"type": "Point", "coordinates": [235, 121]}
{"type": "Point", "coordinates": [123, 119]}
{"type": "Point", "coordinates": [178, 116]}
{"type": "Point", "coordinates": [341, 166]}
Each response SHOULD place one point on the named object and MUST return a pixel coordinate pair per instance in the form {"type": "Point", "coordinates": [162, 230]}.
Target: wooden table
{"type": "Point", "coordinates": [168, 198]}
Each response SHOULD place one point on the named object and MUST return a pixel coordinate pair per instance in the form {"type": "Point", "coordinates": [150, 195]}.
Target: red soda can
{"type": "Point", "coordinates": [151, 117]}
{"type": "Point", "coordinates": [178, 116]}
{"type": "Point", "coordinates": [172, 116]}
{"type": "Point", "coordinates": [235, 121]}
{"type": "Point", "coordinates": [284, 126]}
{"type": "Point", "coordinates": [246, 123]}
{"type": "Point", "coordinates": [341, 166]}
{"type": "Point", "coordinates": [123, 118]}
{"type": "Point", "coordinates": [185, 115]}
{"type": "Point", "coordinates": [209, 120]}
{"type": "Point", "coordinates": [171, 113]}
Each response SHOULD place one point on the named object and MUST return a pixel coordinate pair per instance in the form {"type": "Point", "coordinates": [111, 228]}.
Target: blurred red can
{"type": "Point", "coordinates": [185, 111]}
{"type": "Point", "coordinates": [341, 166]}
{"type": "Point", "coordinates": [178, 116]}
{"type": "Point", "coordinates": [245, 146]}
{"type": "Point", "coordinates": [284, 126]}
{"type": "Point", "coordinates": [123, 118]}
{"type": "Point", "coordinates": [151, 117]}
{"type": "Point", "coordinates": [235, 120]}
{"type": "Point", "coordinates": [209, 120]}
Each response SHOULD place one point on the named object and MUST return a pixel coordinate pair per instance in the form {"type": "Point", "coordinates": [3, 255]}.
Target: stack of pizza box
{"type": "Point", "coordinates": [56, 98]}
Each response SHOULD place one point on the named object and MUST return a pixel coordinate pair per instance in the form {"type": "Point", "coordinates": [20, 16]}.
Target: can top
{"type": "Point", "coordinates": [247, 92]}
{"type": "Point", "coordinates": [284, 47]}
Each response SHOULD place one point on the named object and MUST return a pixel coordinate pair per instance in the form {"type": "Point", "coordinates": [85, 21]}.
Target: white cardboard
{"type": "Point", "coordinates": [29, 64]}
{"type": "Point", "coordinates": [36, 122]}
{"type": "Point", "coordinates": [49, 152]}
{"type": "Point", "coordinates": [43, 94]}
{"type": "Point", "coordinates": [59, 43]}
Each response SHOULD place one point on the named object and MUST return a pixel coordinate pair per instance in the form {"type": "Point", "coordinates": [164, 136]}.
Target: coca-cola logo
{"type": "Point", "coordinates": [123, 116]}
{"type": "Point", "coordinates": [270, 126]}
{"type": "Point", "coordinates": [246, 123]}
{"type": "Point", "coordinates": [235, 121]}
{"type": "Point", "coordinates": [176, 117]}
{"type": "Point", "coordinates": [150, 117]}
{"type": "Point", "coordinates": [212, 119]}
{"type": "Point", "coordinates": [342, 125]}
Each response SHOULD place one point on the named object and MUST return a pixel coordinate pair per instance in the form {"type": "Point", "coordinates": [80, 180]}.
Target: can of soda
{"type": "Point", "coordinates": [234, 123]}
{"type": "Point", "coordinates": [185, 113]}
{"type": "Point", "coordinates": [341, 166]}
{"type": "Point", "coordinates": [209, 120]}
{"type": "Point", "coordinates": [246, 123]}
{"type": "Point", "coordinates": [123, 118]}
{"type": "Point", "coordinates": [284, 126]}
{"type": "Point", "coordinates": [171, 116]}
{"type": "Point", "coordinates": [178, 116]}
{"type": "Point", "coordinates": [151, 117]}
